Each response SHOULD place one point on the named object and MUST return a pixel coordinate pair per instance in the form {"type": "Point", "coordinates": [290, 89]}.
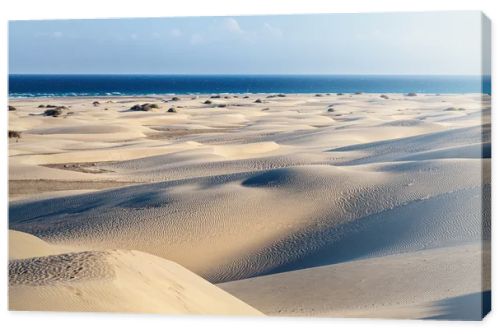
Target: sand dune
{"type": "Point", "coordinates": [112, 281]}
{"type": "Point", "coordinates": [245, 150]}
{"type": "Point", "coordinates": [275, 226]}
{"type": "Point", "coordinates": [302, 205]}
{"type": "Point", "coordinates": [406, 148]}
{"type": "Point", "coordinates": [423, 284]}
{"type": "Point", "coordinates": [24, 245]}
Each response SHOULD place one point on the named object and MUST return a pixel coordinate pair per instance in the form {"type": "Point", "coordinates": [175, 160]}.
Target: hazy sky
{"type": "Point", "coordinates": [416, 43]}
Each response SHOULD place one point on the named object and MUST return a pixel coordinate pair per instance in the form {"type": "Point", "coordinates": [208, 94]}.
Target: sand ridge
{"type": "Point", "coordinates": [114, 281]}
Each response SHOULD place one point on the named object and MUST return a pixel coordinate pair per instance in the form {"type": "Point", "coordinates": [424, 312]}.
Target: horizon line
{"type": "Point", "coordinates": [260, 74]}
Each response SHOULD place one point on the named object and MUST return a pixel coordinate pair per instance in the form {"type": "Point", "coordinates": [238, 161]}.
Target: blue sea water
{"type": "Point", "coordinates": [109, 85]}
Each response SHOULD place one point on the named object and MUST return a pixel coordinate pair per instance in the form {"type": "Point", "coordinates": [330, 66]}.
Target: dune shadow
{"type": "Point", "coordinates": [472, 143]}
{"type": "Point", "coordinates": [270, 178]}
{"type": "Point", "coordinates": [470, 307]}
{"type": "Point", "coordinates": [417, 225]}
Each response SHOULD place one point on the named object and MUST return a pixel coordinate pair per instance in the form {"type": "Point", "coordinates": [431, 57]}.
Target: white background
{"type": "Point", "coordinates": [18, 322]}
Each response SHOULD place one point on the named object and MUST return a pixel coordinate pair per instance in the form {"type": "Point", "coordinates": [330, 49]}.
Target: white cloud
{"type": "Point", "coordinates": [232, 25]}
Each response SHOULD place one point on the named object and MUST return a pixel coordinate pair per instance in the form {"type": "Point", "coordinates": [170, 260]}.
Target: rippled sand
{"type": "Point", "coordinates": [330, 205]}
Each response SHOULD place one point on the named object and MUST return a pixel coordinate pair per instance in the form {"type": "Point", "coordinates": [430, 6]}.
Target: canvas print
{"type": "Point", "coordinates": [329, 165]}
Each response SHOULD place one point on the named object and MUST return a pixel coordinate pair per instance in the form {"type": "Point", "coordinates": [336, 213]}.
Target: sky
{"type": "Point", "coordinates": [397, 43]}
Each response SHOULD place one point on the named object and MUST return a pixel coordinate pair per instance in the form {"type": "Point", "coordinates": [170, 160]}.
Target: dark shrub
{"type": "Point", "coordinates": [144, 107]}
{"type": "Point", "coordinates": [215, 97]}
{"type": "Point", "coordinates": [207, 102]}
{"type": "Point", "coordinates": [11, 108]}
{"type": "Point", "coordinates": [173, 110]}
{"type": "Point", "coordinates": [331, 110]}
{"type": "Point", "coordinates": [340, 94]}
{"type": "Point", "coordinates": [14, 134]}
{"type": "Point", "coordinates": [96, 103]}
{"type": "Point", "coordinates": [41, 106]}
{"type": "Point", "coordinates": [258, 101]}
{"type": "Point", "coordinates": [318, 95]}
{"type": "Point", "coordinates": [53, 112]}
{"type": "Point", "coordinates": [175, 98]}
{"type": "Point", "coordinates": [384, 96]}
{"type": "Point", "coordinates": [358, 93]}
{"type": "Point", "coordinates": [411, 94]}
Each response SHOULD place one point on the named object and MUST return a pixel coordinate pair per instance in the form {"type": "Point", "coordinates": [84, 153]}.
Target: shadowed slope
{"type": "Point", "coordinates": [252, 223]}
{"type": "Point", "coordinates": [411, 285]}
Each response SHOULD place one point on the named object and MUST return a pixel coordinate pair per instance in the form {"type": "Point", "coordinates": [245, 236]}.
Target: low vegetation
{"type": "Point", "coordinates": [454, 109]}
{"type": "Point", "coordinates": [14, 134]}
{"type": "Point", "coordinates": [53, 112]}
{"type": "Point", "coordinates": [145, 107]}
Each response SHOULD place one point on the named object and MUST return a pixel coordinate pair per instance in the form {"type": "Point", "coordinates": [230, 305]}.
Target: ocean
{"type": "Point", "coordinates": [111, 85]}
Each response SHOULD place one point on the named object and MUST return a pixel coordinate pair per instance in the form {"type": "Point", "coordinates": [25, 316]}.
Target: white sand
{"type": "Point", "coordinates": [111, 281]}
{"type": "Point", "coordinates": [25, 246]}
{"type": "Point", "coordinates": [422, 284]}
{"type": "Point", "coordinates": [256, 189]}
